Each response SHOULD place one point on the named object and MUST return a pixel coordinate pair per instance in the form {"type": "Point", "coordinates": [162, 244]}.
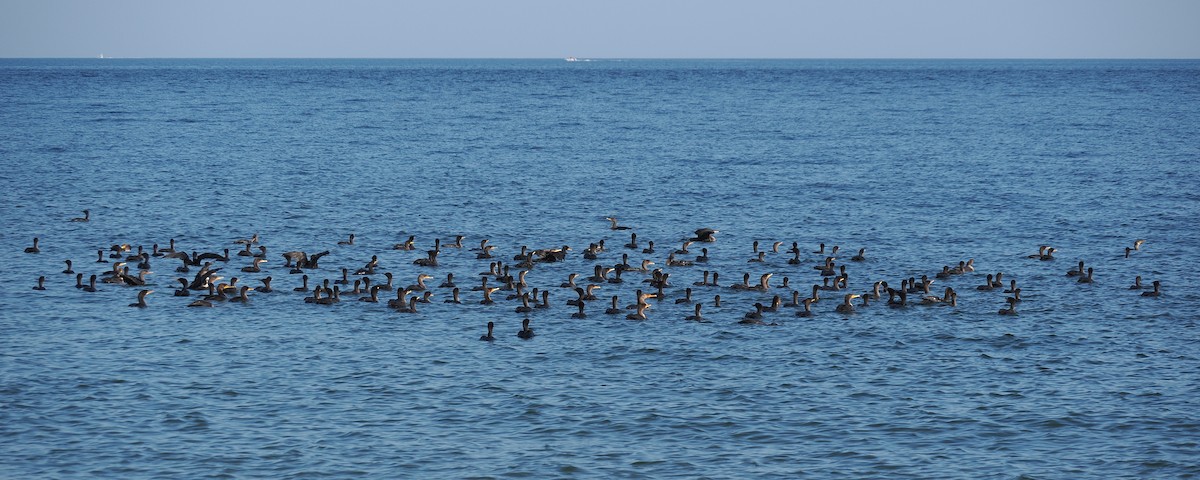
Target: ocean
{"type": "Point", "coordinates": [922, 163]}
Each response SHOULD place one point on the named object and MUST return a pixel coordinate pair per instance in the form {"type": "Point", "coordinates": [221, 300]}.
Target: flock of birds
{"type": "Point", "coordinates": [203, 282]}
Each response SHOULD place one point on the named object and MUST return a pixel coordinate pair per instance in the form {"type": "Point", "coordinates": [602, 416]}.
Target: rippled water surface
{"type": "Point", "coordinates": [923, 163]}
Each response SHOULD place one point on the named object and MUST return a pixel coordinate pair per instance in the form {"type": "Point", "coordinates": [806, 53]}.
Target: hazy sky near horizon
{"type": "Point", "coordinates": [603, 29]}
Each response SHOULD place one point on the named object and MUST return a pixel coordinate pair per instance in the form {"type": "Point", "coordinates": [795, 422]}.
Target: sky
{"type": "Point", "coordinates": [601, 29]}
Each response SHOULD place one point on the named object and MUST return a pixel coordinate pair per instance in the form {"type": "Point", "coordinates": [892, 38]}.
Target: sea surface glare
{"type": "Point", "coordinates": [922, 163]}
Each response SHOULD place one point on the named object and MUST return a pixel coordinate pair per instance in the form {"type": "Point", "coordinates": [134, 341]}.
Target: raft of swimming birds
{"type": "Point", "coordinates": [202, 278]}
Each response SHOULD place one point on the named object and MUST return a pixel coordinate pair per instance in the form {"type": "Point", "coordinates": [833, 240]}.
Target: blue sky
{"type": "Point", "coordinates": [603, 29]}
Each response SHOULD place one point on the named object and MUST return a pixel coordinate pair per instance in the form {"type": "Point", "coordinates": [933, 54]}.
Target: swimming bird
{"type": "Point", "coordinates": [253, 240]}
{"type": "Point", "coordinates": [241, 296]}
{"type": "Point", "coordinates": [41, 283]}
{"type": "Point", "coordinates": [245, 252]}
{"type": "Point", "coordinates": [34, 248]}
{"type": "Point", "coordinates": [613, 224]}
{"type": "Point", "coordinates": [599, 275]}
{"type": "Point", "coordinates": [91, 285]}
{"type": "Point", "coordinates": [369, 267]}
{"type": "Point", "coordinates": [649, 248]}
{"type": "Point", "coordinates": [349, 241]}
{"type": "Point", "coordinates": [580, 313]}
{"type": "Point", "coordinates": [1156, 291]}
{"type": "Point", "coordinates": [141, 299]}
{"type": "Point", "coordinates": [1137, 244]}
{"type": "Point", "coordinates": [640, 314]}
{"type": "Point", "coordinates": [487, 295]}
{"type": "Point", "coordinates": [216, 293]}
{"type": "Point", "coordinates": [807, 312]}
{"type": "Point", "coordinates": [485, 252]}
{"type": "Point", "coordinates": [453, 296]}
{"type": "Point", "coordinates": [673, 262]}
{"type": "Point", "coordinates": [303, 284]}
{"type": "Point", "coordinates": [524, 307]}
{"type": "Point", "coordinates": [409, 244]}
{"type": "Point", "coordinates": [1076, 272]}
{"type": "Point", "coordinates": [420, 285]}
{"type": "Point", "coordinates": [846, 307]}
{"type": "Point", "coordinates": [430, 259]}
{"type": "Point", "coordinates": [934, 299]}
{"type": "Point", "coordinates": [373, 298]}
{"type": "Point", "coordinates": [266, 288]}
{"type": "Point", "coordinates": [696, 317]}
{"type": "Point", "coordinates": [182, 291]}
{"type": "Point", "coordinates": [745, 285]}
{"type": "Point", "coordinates": [388, 285]}
{"type": "Point", "coordinates": [1087, 278]}
{"type": "Point", "coordinates": [87, 215]}
{"type": "Point", "coordinates": [860, 257]}
{"type": "Point", "coordinates": [400, 302]}
{"type": "Point", "coordinates": [592, 251]}
{"type": "Point", "coordinates": [795, 301]}
{"type": "Point", "coordinates": [764, 283]}
{"type": "Point", "coordinates": [577, 301]}
{"type": "Point", "coordinates": [1137, 283]}
{"type": "Point", "coordinates": [753, 318]}
{"type": "Point", "coordinates": [945, 273]}
{"type": "Point", "coordinates": [1012, 307]}
{"type": "Point", "coordinates": [642, 267]}
{"type": "Point", "coordinates": [254, 265]}
{"type": "Point", "coordinates": [526, 333]}
{"type": "Point", "coordinates": [632, 241]}
{"type": "Point", "coordinates": [119, 249]}
{"type": "Point", "coordinates": [144, 264]}
{"type": "Point", "coordinates": [687, 297]}
{"type": "Point", "coordinates": [487, 337]}
{"type": "Point", "coordinates": [613, 310]}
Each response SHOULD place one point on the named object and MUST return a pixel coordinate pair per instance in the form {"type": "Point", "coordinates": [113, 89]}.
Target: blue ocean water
{"type": "Point", "coordinates": [922, 163]}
